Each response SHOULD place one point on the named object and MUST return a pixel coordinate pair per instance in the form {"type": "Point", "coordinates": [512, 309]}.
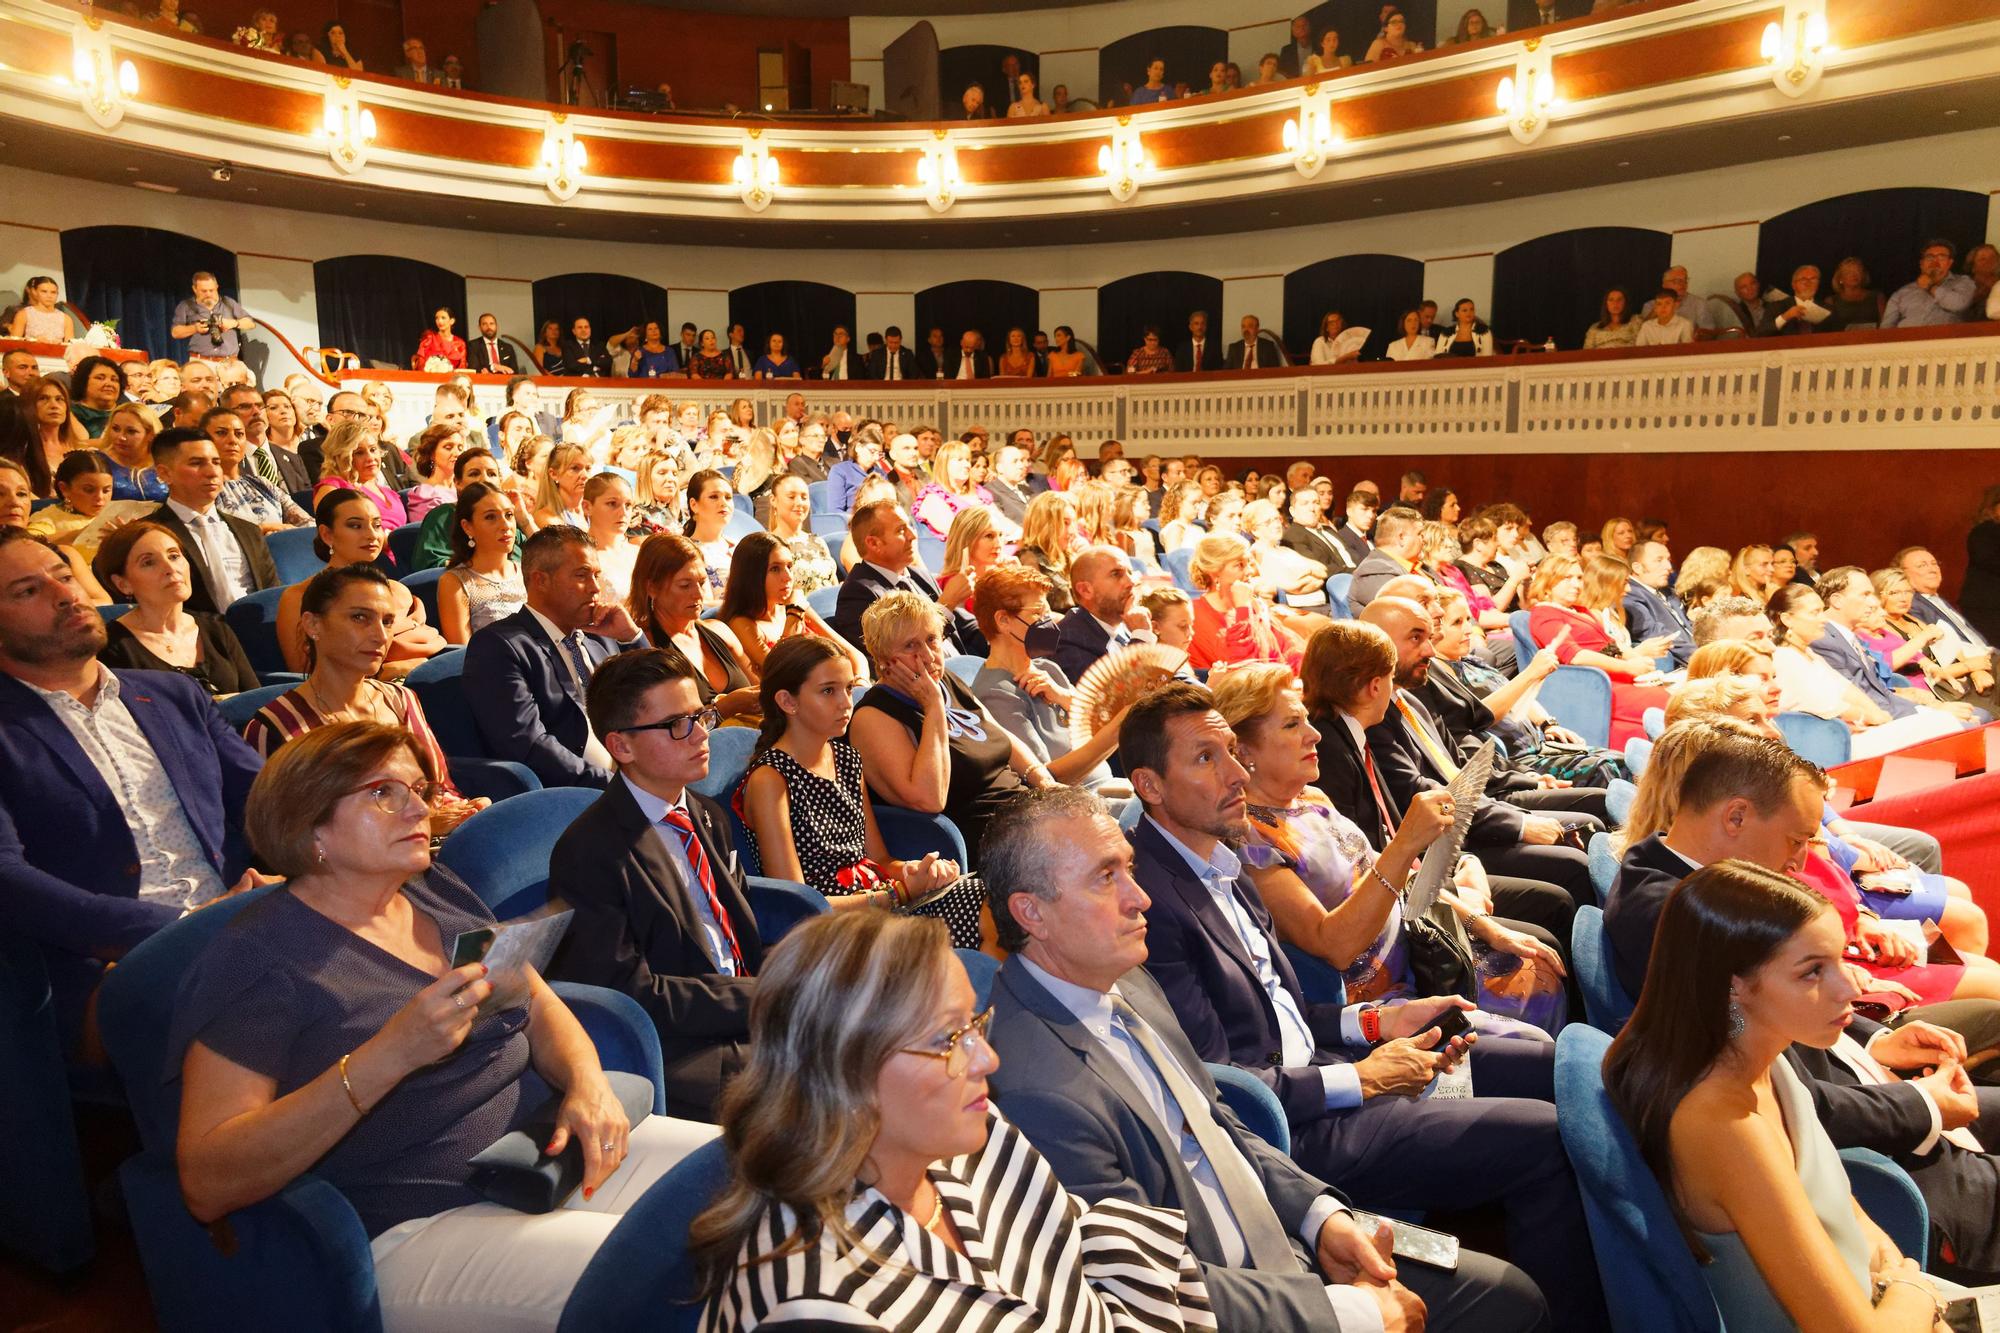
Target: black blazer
{"type": "Point", "coordinates": [524, 704]}
{"type": "Point", "coordinates": [1405, 770]}
{"type": "Point", "coordinates": [1356, 545]}
{"type": "Point", "coordinates": [260, 572]}
{"type": "Point", "coordinates": [863, 584]}
{"type": "Point", "coordinates": [982, 364]}
{"type": "Point", "coordinates": [477, 360]}
{"type": "Point", "coordinates": [875, 365]}
{"type": "Point", "coordinates": [1654, 611]}
{"type": "Point", "coordinates": [636, 930]}
{"type": "Point", "coordinates": [1524, 14]}
{"type": "Point", "coordinates": [1269, 353]}
{"type": "Point", "coordinates": [1314, 544]}
{"type": "Point", "coordinates": [932, 367]}
{"type": "Point", "coordinates": [583, 359]}
{"type": "Point", "coordinates": [1211, 354]}
{"type": "Point", "coordinates": [1376, 568]}
{"type": "Point", "coordinates": [292, 470]}
{"type": "Point", "coordinates": [1343, 776]}
{"type": "Point", "coordinates": [1080, 641]}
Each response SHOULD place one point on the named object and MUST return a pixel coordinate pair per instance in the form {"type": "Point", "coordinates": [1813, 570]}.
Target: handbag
{"type": "Point", "coordinates": [1440, 954]}
{"type": "Point", "coordinates": [514, 1172]}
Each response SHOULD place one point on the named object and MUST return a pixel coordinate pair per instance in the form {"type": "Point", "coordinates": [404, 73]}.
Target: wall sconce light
{"type": "Point", "coordinates": [1312, 135]}
{"type": "Point", "coordinates": [1527, 98]}
{"type": "Point", "coordinates": [348, 126]}
{"type": "Point", "coordinates": [1123, 161]}
{"type": "Point", "coordinates": [1796, 48]}
{"type": "Point", "coordinates": [755, 172]}
{"type": "Point", "coordinates": [938, 175]}
{"type": "Point", "coordinates": [563, 158]}
{"type": "Point", "coordinates": [103, 82]}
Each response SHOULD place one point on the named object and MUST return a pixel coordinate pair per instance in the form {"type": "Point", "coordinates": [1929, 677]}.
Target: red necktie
{"type": "Point", "coordinates": [1381, 801]}
{"type": "Point", "coordinates": [683, 827]}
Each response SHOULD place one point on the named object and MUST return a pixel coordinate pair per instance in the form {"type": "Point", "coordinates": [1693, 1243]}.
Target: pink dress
{"type": "Point", "coordinates": [388, 502]}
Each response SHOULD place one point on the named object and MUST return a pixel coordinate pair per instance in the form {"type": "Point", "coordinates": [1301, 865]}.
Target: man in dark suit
{"type": "Point", "coordinates": [1104, 616]}
{"type": "Point", "coordinates": [526, 675]}
{"type": "Point", "coordinates": [276, 464]}
{"type": "Point", "coordinates": [1849, 597]}
{"type": "Point", "coordinates": [1202, 350]}
{"type": "Point", "coordinates": [651, 870]}
{"type": "Point", "coordinates": [1009, 485]}
{"type": "Point", "coordinates": [1651, 608]}
{"type": "Point", "coordinates": [581, 355]}
{"type": "Point", "coordinates": [1399, 542]}
{"type": "Point", "coordinates": [1928, 604]}
{"type": "Point", "coordinates": [972, 104]}
{"type": "Point", "coordinates": [227, 557]}
{"type": "Point", "coordinates": [18, 369]}
{"type": "Point", "coordinates": [892, 360]}
{"type": "Point", "coordinates": [1337, 1071]}
{"type": "Point", "coordinates": [1304, 534]}
{"type": "Point", "coordinates": [1751, 798]}
{"type": "Point", "coordinates": [416, 65]}
{"type": "Point", "coordinates": [121, 792]}
{"type": "Point", "coordinates": [1255, 350]}
{"type": "Point", "coordinates": [969, 361]}
{"type": "Point", "coordinates": [1095, 1070]}
{"type": "Point", "coordinates": [488, 354]}
{"type": "Point", "coordinates": [1300, 47]}
{"type": "Point", "coordinates": [888, 545]}
{"type": "Point", "coordinates": [525, 396]}
{"type": "Point", "coordinates": [1354, 534]}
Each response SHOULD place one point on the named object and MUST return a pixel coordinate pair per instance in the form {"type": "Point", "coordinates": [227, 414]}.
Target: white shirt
{"type": "Point", "coordinates": [838, 370]}
{"type": "Point", "coordinates": [1218, 874]}
{"type": "Point", "coordinates": [173, 868]}
{"type": "Point", "coordinates": [1652, 333]}
{"type": "Point", "coordinates": [656, 808]}
{"type": "Point", "coordinates": [1423, 349]}
{"type": "Point", "coordinates": [221, 552]}
{"type": "Point", "coordinates": [594, 752]}
{"type": "Point", "coordinates": [966, 362]}
{"type": "Point", "coordinates": [1353, 1309]}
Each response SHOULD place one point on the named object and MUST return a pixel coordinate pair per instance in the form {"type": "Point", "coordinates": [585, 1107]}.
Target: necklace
{"type": "Point", "coordinates": [937, 1209]}
{"type": "Point", "coordinates": [319, 706]}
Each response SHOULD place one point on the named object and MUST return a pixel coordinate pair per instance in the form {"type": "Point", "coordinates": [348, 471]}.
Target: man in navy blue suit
{"type": "Point", "coordinates": [121, 793]}
{"type": "Point", "coordinates": [1651, 609]}
{"type": "Point", "coordinates": [1104, 617]}
{"type": "Point", "coordinates": [1850, 599]}
{"type": "Point", "coordinates": [1349, 1078]}
{"type": "Point", "coordinates": [525, 676]}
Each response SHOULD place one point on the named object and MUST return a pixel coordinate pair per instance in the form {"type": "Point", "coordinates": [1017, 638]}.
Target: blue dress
{"type": "Point", "coordinates": [651, 365]}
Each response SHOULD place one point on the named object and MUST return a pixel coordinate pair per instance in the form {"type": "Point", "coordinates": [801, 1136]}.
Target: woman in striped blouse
{"type": "Point", "coordinates": [873, 1186]}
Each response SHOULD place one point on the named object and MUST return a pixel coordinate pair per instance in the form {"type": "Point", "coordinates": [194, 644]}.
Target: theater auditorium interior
{"type": "Point", "coordinates": [692, 664]}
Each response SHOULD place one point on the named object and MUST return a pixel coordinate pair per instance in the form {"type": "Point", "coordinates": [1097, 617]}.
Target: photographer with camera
{"type": "Point", "coordinates": [209, 321]}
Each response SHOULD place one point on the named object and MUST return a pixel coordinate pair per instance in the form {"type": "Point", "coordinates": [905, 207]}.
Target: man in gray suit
{"type": "Point", "coordinates": [1399, 545]}
{"type": "Point", "coordinates": [1096, 1071]}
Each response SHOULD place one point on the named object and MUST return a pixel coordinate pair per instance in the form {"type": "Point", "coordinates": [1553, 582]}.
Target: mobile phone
{"type": "Point", "coordinates": [471, 946]}
{"type": "Point", "coordinates": [1451, 1023]}
{"type": "Point", "coordinates": [1435, 1249]}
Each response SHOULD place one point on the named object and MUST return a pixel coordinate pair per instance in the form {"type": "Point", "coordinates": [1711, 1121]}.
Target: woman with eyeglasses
{"type": "Point", "coordinates": [872, 1184]}
{"type": "Point", "coordinates": [325, 1030]}
{"type": "Point", "coordinates": [1030, 696]}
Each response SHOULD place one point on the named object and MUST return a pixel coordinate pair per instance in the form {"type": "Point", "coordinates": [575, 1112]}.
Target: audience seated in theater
{"type": "Point", "coordinates": [1927, 601]}
{"type": "Point", "coordinates": [1255, 350]}
{"type": "Point", "coordinates": [1615, 326]}
{"type": "Point", "coordinates": [1916, 650]}
{"type": "Point", "coordinates": [433, 549]}
{"type": "Point", "coordinates": [350, 532]}
{"type": "Point", "coordinates": [559, 494]}
{"type": "Point", "coordinates": [845, 477]}
{"type": "Point", "coordinates": [244, 494]}
{"type": "Point", "coordinates": [1877, 719]}
{"type": "Point", "coordinates": [1281, 568]}
{"type": "Point", "coordinates": [49, 432]}
{"type": "Point", "coordinates": [1561, 617]}
{"type": "Point", "coordinates": [950, 490]}
{"type": "Point", "coordinates": [1394, 40]}
{"type": "Point", "coordinates": [1398, 550]}
{"type": "Point", "coordinates": [436, 456]}
{"type": "Point", "coordinates": [96, 385]}
{"type": "Point", "coordinates": [886, 546]}
{"type": "Point", "coordinates": [17, 500]}
{"type": "Point", "coordinates": [1724, 615]}
{"type": "Point", "coordinates": [1091, 1079]}
{"type": "Point", "coordinates": [970, 549]}
{"type": "Point", "coordinates": [1048, 531]}
{"type": "Point", "coordinates": [807, 806]}
{"type": "Point", "coordinates": [1652, 610]}
{"type": "Point", "coordinates": [1727, 1123]}
{"type": "Point", "coordinates": [233, 559]}
{"type": "Point", "coordinates": [482, 579]}
{"type": "Point", "coordinates": [272, 1085]}
{"type": "Point", "coordinates": [1663, 325]}
{"type": "Point", "coordinates": [1213, 953]}
{"type": "Point", "coordinates": [83, 486]}
{"type": "Point", "coordinates": [1029, 695]}
{"type": "Point", "coordinates": [1233, 624]}
{"type": "Point", "coordinates": [926, 741]}
{"type": "Point", "coordinates": [1791, 316]}
{"type": "Point", "coordinates": [1936, 295]}
{"type": "Point", "coordinates": [351, 460]}
{"type": "Point", "coordinates": [711, 502]}
{"type": "Point", "coordinates": [813, 566]}
{"type": "Point", "coordinates": [1467, 335]}
{"type": "Point", "coordinates": [525, 675]}
{"type": "Point", "coordinates": [121, 792]}
{"type": "Point", "coordinates": [868, 1063]}
{"type": "Point", "coordinates": [1848, 600]}
{"type": "Point", "coordinates": [669, 585]}
{"type": "Point", "coordinates": [1151, 356]}
{"type": "Point", "coordinates": [1104, 617]}
{"type": "Point", "coordinates": [606, 502]}
{"type": "Point", "coordinates": [762, 607]}
{"type": "Point", "coordinates": [145, 564]}
{"type": "Point", "coordinates": [128, 441]}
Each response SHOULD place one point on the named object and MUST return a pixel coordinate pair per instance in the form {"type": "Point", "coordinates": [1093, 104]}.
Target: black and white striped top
{"type": "Point", "coordinates": [1037, 1260]}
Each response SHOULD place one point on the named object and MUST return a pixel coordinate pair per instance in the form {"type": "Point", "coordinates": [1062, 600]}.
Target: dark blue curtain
{"type": "Point", "coordinates": [1369, 291]}
{"type": "Point", "coordinates": [1884, 229]}
{"type": "Point", "coordinates": [805, 312]}
{"type": "Point", "coordinates": [962, 65]}
{"type": "Point", "coordinates": [137, 275]}
{"type": "Point", "coordinates": [1164, 300]}
{"type": "Point", "coordinates": [976, 303]}
{"type": "Point", "coordinates": [1188, 51]}
{"type": "Point", "coordinates": [1554, 285]}
{"type": "Point", "coordinates": [611, 302]}
{"type": "Point", "coordinates": [379, 306]}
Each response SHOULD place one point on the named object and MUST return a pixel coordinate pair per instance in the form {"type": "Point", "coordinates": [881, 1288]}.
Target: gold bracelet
{"type": "Point", "coordinates": [1882, 1285]}
{"type": "Point", "coordinates": [359, 1109]}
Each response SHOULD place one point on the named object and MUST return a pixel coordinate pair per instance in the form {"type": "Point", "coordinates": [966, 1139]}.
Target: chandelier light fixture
{"type": "Point", "coordinates": [1796, 48]}
{"type": "Point", "coordinates": [104, 83]}
{"type": "Point", "coordinates": [755, 172]}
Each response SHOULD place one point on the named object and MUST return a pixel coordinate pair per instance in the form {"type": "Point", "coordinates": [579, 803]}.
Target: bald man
{"type": "Point", "coordinates": [1104, 618]}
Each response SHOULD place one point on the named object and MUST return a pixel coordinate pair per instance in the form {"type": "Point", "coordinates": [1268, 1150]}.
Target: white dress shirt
{"type": "Point", "coordinates": [220, 550]}
{"type": "Point", "coordinates": [655, 808]}
{"type": "Point", "coordinates": [594, 752]}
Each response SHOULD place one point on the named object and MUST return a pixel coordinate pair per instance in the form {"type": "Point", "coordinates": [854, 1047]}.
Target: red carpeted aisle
{"type": "Point", "coordinates": [1948, 788]}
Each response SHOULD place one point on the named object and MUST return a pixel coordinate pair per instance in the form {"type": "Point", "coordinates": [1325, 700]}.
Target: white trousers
{"type": "Point", "coordinates": [485, 1267]}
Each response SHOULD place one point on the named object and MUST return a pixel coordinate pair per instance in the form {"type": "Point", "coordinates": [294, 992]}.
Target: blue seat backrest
{"type": "Point", "coordinates": [402, 543]}
{"type": "Point", "coordinates": [1605, 1002]}
{"type": "Point", "coordinates": [440, 687]}
{"type": "Point", "coordinates": [729, 752]}
{"type": "Point", "coordinates": [1654, 720]}
{"type": "Point", "coordinates": [1254, 1104]}
{"type": "Point", "coordinates": [741, 523]}
{"type": "Point", "coordinates": [113, 610]}
{"type": "Point", "coordinates": [45, 1209]}
{"type": "Point", "coordinates": [642, 1278]}
{"type": "Point", "coordinates": [424, 583]}
{"type": "Point", "coordinates": [238, 709]}
{"type": "Point", "coordinates": [1650, 1278]}
{"type": "Point", "coordinates": [1823, 740]}
{"type": "Point", "coordinates": [964, 665]}
{"type": "Point", "coordinates": [931, 551]}
{"type": "Point", "coordinates": [1320, 980]}
{"type": "Point", "coordinates": [1579, 697]}
{"type": "Point", "coordinates": [832, 527]}
{"type": "Point", "coordinates": [1337, 587]}
{"type": "Point", "coordinates": [503, 851]}
{"type": "Point", "coordinates": [980, 970]}
{"type": "Point", "coordinates": [824, 601]}
{"type": "Point", "coordinates": [292, 553]}
{"type": "Point", "coordinates": [1618, 797]}
{"type": "Point", "coordinates": [1179, 564]}
{"type": "Point", "coordinates": [1524, 642]}
{"type": "Point", "coordinates": [817, 491]}
{"type": "Point", "coordinates": [907, 834]}
{"type": "Point", "coordinates": [254, 618]}
{"type": "Point", "coordinates": [780, 904]}
{"type": "Point", "coordinates": [1603, 866]}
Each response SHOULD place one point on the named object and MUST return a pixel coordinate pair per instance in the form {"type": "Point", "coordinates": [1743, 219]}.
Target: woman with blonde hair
{"type": "Point", "coordinates": [1232, 622]}
{"type": "Point", "coordinates": [1929, 655]}
{"type": "Point", "coordinates": [559, 491]}
{"type": "Point", "coordinates": [970, 549]}
{"type": "Point", "coordinates": [1093, 511]}
{"type": "Point", "coordinates": [757, 469]}
{"type": "Point", "coordinates": [128, 441]}
{"type": "Point", "coordinates": [656, 497]}
{"type": "Point", "coordinates": [1605, 580]}
{"type": "Point", "coordinates": [868, 1063]}
{"type": "Point", "coordinates": [166, 377]}
{"type": "Point", "coordinates": [1618, 537]}
{"type": "Point", "coordinates": [1181, 509]}
{"type": "Point", "coordinates": [1750, 573]}
{"type": "Point", "coordinates": [950, 490]}
{"type": "Point", "coordinates": [1048, 537]}
{"type": "Point", "coordinates": [1704, 564]}
{"type": "Point", "coordinates": [351, 460]}
{"type": "Point", "coordinates": [1128, 513]}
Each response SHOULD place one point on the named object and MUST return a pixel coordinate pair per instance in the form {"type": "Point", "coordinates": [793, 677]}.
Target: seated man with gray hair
{"type": "Point", "coordinates": [1732, 616]}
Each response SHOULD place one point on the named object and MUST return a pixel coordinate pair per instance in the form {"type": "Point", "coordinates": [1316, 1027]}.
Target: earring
{"type": "Point", "coordinates": [1736, 1023]}
{"type": "Point", "coordinates": [319, 855]}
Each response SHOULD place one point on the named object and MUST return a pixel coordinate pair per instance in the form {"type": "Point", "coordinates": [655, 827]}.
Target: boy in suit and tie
{"type": "Point", "coordinates": [227, 555]}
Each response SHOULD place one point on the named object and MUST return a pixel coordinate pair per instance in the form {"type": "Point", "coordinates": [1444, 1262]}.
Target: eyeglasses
{"type": "Point", "coordinates": [392, 796]}
{"type": "Point", "coordinates": [956, 1051]}
{"type": "Point", "coordinates": [680, 726]}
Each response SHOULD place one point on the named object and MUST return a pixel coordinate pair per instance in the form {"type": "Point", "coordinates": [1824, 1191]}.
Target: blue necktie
{"type": "Point", "coordinates": [573, 645]}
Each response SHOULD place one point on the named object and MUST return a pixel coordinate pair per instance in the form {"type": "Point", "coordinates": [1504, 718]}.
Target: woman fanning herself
{"type": "Point", "coordinates": [807, 805]}
{"type": "Point", "coordinates": [669, 589]}
{"type": "Point", "coordinates": [333, 997]}
{"type": "Point", "coordinates": [761, 604]}
{"type": "Point", "coordinates": [871, 1183]}
{"type": "Point", "coordinates": [1754, 966]}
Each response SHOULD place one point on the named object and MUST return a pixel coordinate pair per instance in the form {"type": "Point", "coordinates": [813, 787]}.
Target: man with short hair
{"type": "Point", "coordinates": [227, 556]}
{"type": "Point", "coordinates": [650, 870]}
{"type": "Point", "coordinates": [1008, 484]}
{"type": "Point", "coordinates": [894, 361]}
{"type": "Point", "coordinates": [1105, 617]}
{"type": "Point", "coordinates": [1096, 1071]}
{"type": "Point", "coordinates": [1348, 1078]}
{"type": "Point", "coordinates": [931, 359]}
{"type": "Point", "coordinates": [1353, 535]}
{"type": "Point", "coordinates": [1255, 350]}
{"type": "Point", "coordinates": [1805, 558]}
{"type": "Point", "coordinates": [121, 792]}
{"type": "Point", "coordinates": [1851, 602]}
{"type": "Point", "coordinates": [972, 104]}
{"type": "Point", "coordinates": [1926, 578]}
{"type": "Point", "coordinates": [1651, 608]}
{"type": "Point", "coordinates": [1559, 538]}
{"type": "Point", "coordinates": [1732, 616]}
{"type": "Point", "coordinates": [1399, 545]}
{"type": "Point", "coordinates": [738, 354]}
{"type": "Point", "coordinates": [212, 323]}
{"type": "Point", "coordinates": [906, 468]}
{"type": "Point", "coordinates": [416, 66]}
{"type": "Point", "coordinates": [1010, 77]}
{"type": "Point", "coordinates": [453, 77]}
{"type": "Point", "coordinates": [526, 676]}
{"type": "Point", "coordinates": [1298, 49]}
{"type": "Point", "coordinates": [489, 354]}
{"type": "Point", "coordinates": [1299, 475]}
{"type": "Point", "coordinates": [1200, 351]}
{"type": "Point", "coordinates": [1937, 295]}
{"type": "Point", "coordinates": [685, 351]}
{"type": "Point", "coordinates": [1304, 533]}
{"type": "Point", "coordinates": [581, 354]}
{"type": "Point", "coordinates": [969, 361]}
{"type": "Point", "coordinates": [280, 466]}
{"type": "Point", "coordinates": [1663, 327]}
{"type": "Point", "coordinates": [888, 545]}
{"type": "Point", "coordinates": [20, 369]}
{"type": "Point", "coordinates": [1412, 487]}
{"type": "Point", "coordinates": [1696, 310]}
{"type": "Point", "coordinates": [1749, 309]}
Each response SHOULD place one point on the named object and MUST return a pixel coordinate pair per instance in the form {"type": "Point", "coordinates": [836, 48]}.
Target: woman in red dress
{"type": "Point", "coordinates": [1556, 604]}
{"type": "Point", "coordinates": [1233, 623]}
{"type": "Point", "coordinates": [440, 343]}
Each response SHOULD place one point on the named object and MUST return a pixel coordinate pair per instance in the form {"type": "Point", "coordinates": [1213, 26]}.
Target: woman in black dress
{"type": "Point", "coordinates": [805, 801]}
{"type": "Point", "coordinates": [666, 600]}
{"type": "Point", "coordinates": [143, 563]}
